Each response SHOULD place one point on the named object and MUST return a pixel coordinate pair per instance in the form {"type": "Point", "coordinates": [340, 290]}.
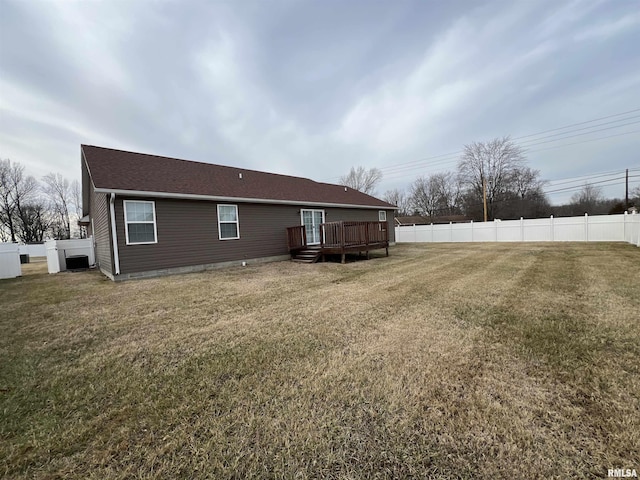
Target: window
{"type": "Point", "coordinates": [382, 216]}
{"type": "Point", "coordinates": [140, 221]}
{"type": "Point", "coordinates": [228, 222]}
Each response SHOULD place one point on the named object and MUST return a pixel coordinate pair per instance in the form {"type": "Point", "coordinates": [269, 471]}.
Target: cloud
{"type": "Point", "coordinates": [609, 29]}
{"type": "Point", "coordinates": [306, 88]}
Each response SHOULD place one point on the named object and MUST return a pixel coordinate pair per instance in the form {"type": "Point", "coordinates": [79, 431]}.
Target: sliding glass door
{"type": "Point", "coordinates": [312, 219]}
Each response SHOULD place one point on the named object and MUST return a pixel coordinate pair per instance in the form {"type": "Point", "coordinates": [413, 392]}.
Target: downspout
{"type": "Point", "coordinates": [114, 238]}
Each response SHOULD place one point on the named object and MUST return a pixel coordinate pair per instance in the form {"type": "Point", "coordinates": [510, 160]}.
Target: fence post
{"type": "Point", "coordinates": [415, 235]}
{"type": "Point", "coordinates": [551, 228]}
{"type": "Point", "coordinates": [431, 232]}
{"type": "Point", "coordinates": [451, 231]}
{"type": "Point", "coordinates": [471, 230]}
{"type": "Point", "coordinates": [521, 229]}
{"type": "Point", "coordinates": [624, 226]}
{"type": "Point", "coordinates": [495, 229]}
{"type": "Point", "coordinates": [586, 227]}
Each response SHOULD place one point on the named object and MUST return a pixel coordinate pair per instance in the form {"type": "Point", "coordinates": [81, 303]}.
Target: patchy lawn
{"type": "Point", "coordinates": [441, 361]}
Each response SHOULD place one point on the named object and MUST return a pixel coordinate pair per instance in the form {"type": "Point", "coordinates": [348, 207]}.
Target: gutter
{"type": "Point", "coordinates": [114, 238]}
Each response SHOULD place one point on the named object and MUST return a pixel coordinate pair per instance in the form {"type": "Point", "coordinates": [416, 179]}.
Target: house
{"type": "Point", "coordinates": [151, 215]}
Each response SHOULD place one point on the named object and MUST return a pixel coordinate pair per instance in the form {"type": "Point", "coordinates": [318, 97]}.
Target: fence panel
{"type": "Point", "coordinates": [482, 232]}
{"type": "Point", "coordinates": [597, 228]}
{"type": "Point", "coordinates": [509, 231]}
{"type": "Point", "coordinates": [10, 260]}
{"type": "Point", "coordinates": [570, 229]}
{"type": "Point", "coordinates": [632, 230]}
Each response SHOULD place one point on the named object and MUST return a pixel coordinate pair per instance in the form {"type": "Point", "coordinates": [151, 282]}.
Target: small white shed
{"type": "Point", "coordinates": [10, 260]}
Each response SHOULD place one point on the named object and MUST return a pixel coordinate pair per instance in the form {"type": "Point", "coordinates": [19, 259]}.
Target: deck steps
{"type": "Point", "coordinates": [306, 256]}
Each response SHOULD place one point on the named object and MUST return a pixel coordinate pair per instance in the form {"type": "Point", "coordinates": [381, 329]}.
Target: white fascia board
{"type": "Point", "coordinates": [191, 196]}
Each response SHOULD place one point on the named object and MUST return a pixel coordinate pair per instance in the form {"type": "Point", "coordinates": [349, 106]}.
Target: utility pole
{"type": "Point", "coordinates": [484, 197]}
{"type": "Point", "coordinates": [626, 191]}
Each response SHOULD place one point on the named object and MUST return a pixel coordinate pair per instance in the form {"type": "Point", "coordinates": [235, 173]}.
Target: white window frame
{"type": "Point", "coordinates": [126, 222]}
{"type": "Point", "coordinates": [237, 222]}
{"type": "Point", "coordinates": [382, 215]}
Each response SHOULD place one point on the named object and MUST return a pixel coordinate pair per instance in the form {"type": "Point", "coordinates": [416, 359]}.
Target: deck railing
{"type": "Point", "coordinates": [296, 237]}
{"type": "Point", "coordinates": [341, 235]}
{"type": "Point", "coordinates": [352, 234]}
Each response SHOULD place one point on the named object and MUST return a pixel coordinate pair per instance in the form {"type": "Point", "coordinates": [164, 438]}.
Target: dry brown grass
{"type": "Point", "coordinates": [441, 361]}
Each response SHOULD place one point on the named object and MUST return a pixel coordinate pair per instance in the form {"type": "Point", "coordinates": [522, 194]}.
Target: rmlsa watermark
{"type": "Point", "coordinates": [622, 473]}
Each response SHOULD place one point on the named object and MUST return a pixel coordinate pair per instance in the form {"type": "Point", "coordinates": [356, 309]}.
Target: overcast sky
{"type": "Point", "coordinates": [310, 88]}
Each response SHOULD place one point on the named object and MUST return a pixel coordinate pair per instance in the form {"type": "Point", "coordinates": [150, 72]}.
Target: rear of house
{"type": "Point", "coordinates": [152, 215]}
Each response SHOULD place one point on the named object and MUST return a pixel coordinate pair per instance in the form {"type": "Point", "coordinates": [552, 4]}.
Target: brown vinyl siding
{"type": "Point", "coordinates": [188, 233]}
{"type": "Point", "coordinates": [99, 207]}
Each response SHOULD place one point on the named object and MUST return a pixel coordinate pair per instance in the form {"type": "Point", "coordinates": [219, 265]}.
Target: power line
{"type": "Point", "coordinates": [580, 178]}
{"type": "Point", "coordinates": [584, 128]}
{"type": "Point", "coordinates": [529, 151]}
{"type": "Point", "coordinates": [579, 123]}
{"type": "Point", "coordinates": [574, 187]}
{"type": "Point", "coordinates": [538, 141]}
{"type": "Point", "coordinates": [584, 141]}
{"type": "Point", "coordinates": [452, 157]}
{"type": "Point", "coordinates": [581, 134]}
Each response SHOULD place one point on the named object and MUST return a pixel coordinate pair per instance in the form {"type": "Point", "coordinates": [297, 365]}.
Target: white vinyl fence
{"type": "Point", "coordinates": [59, 250]}
{"type": "Point", "coordinates": [33, 250]}
{"type": "Point", "coordinates": [10, 260]}
{"type": "Point", "coordinates": [597, 228]}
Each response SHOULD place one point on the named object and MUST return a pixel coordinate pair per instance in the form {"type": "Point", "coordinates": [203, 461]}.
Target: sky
{"type": "Point", "coordinates": [312, 88]}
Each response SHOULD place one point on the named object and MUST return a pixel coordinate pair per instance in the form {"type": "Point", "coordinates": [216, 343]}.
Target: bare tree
{"type": "Point", "coordinates": [424, 196]}
{"type": "Point", "coordinates": [398, 198]}
{"type": "Point", "coordinates": [448, 191]}
{"type": "Point", "coordinates": [362, 179]}
{"type": "Point", "coordinates": [635, 195]}
{"type": "Point", "coordinates": [7, 204]}
{"type": "Point", "coordinates": [16, 190]}
{"type": "Point", "coordinates": [76, 201]}
{"type": "Point", "coordinates": [435, 195]}
{"type": "Point", "coordinates": [34, 221]}
{"type": "Point", "coordinates": [587, 199]}
{"type": "Point", "coordinates": [525, 196]}
{"type": "Point", "coordinates": [58, 191]}
{"type": "Point", "coordinates": [525, 181]}
{"type": "Point", "coordinates": [492, 162]}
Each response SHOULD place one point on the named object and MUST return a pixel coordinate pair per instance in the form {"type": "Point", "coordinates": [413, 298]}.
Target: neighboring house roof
{"type": "Point", "coordinates": [413, 220]}
{"type": "Point", "coordinates": [420, 220]}
{"type": "Point", "coordinates": [137, 173]}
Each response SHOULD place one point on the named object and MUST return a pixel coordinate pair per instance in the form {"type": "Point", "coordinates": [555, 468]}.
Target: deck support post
{"type": "Point", "coordinates": [344, 258]}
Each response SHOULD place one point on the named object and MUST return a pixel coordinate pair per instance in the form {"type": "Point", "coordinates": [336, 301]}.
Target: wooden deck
{"type": "Point", "coordinates": [338, 238]}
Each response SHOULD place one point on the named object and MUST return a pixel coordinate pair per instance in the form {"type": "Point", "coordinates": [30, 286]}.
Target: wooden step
{"type": "Point", "coordinates": [306, 256]}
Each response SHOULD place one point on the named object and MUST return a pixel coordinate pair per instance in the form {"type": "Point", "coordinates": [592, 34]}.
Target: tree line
{"type": "Point", "coordinates": [32, 210]}
{"type": "Point", "coordinates": [496, 170]}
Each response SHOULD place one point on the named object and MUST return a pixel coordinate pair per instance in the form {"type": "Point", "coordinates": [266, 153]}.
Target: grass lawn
{"type": "Point", "coordinates": [441, 361]}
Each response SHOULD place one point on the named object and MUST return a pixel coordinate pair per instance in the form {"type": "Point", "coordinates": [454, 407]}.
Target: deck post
{"type": "Point", "coordinates": [344, 259]}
